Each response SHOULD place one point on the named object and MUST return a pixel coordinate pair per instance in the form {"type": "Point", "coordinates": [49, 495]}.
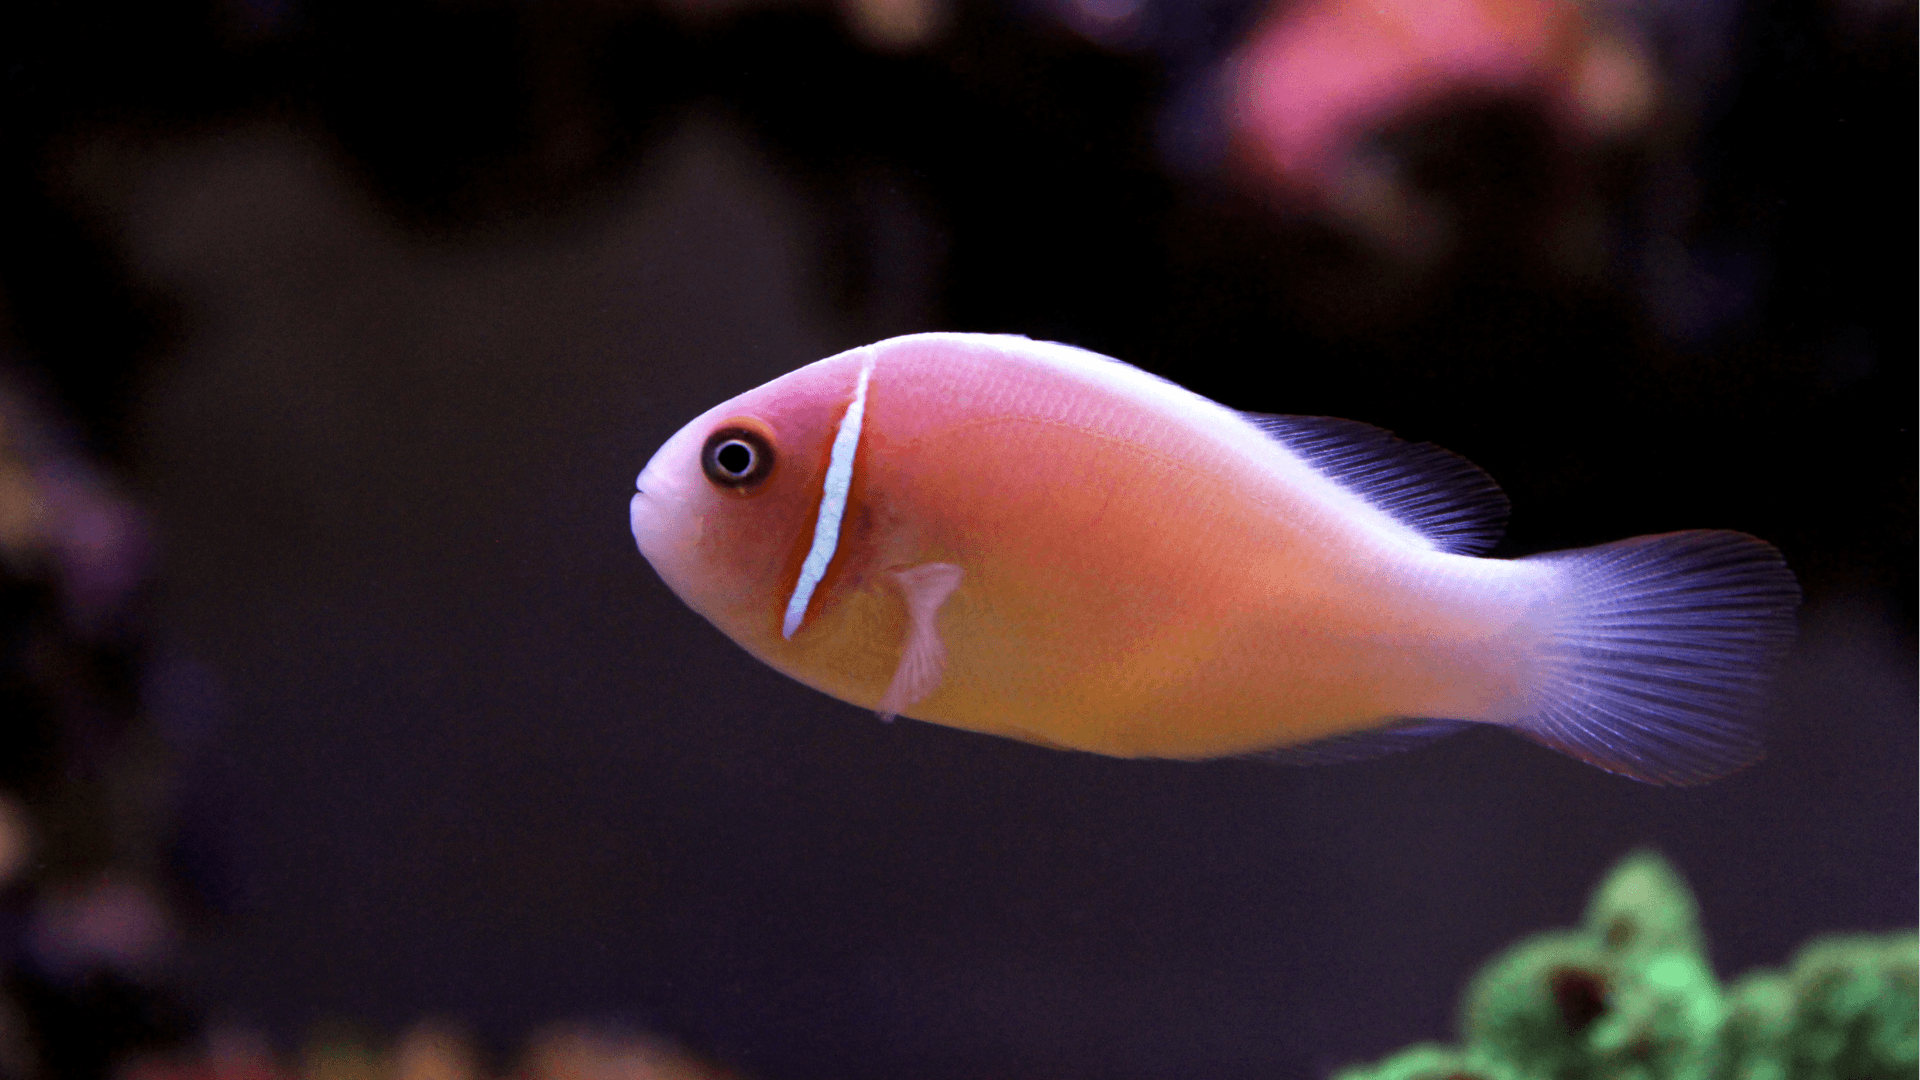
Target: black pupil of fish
{"type": "Point", "coordinates": [735, 457]}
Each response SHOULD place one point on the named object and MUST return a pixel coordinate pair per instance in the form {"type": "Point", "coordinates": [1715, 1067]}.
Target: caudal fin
{"type": "Point", "coordinates": [1656, 660]}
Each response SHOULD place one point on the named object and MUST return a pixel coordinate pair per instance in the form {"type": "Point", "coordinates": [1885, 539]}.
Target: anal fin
{"type": "Point", "coordinates": [1366, 745]}
{"type": "Point", "coordinates": [923, 657]}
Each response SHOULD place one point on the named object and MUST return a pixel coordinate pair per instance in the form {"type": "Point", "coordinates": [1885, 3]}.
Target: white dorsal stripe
{"type": "Point", "coordinates": [833, 505]}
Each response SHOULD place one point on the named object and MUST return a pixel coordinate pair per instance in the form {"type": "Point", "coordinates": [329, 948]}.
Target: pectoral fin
{"type": "Point", "coordinates": [923, 658]}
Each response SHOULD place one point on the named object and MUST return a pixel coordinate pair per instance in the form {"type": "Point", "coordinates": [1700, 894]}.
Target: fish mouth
{"type": "Point", "coordinates": [658, 517]}
{"type": "Point", "coordinates": [643, 517]}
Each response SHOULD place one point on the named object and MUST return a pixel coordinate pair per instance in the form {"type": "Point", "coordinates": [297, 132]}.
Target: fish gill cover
{"type": "Point", "coordinates": [1629, 995]}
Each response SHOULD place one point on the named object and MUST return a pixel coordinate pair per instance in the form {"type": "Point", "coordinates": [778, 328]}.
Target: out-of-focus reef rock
{"type": "Point", "coordinates": [1629, 995]}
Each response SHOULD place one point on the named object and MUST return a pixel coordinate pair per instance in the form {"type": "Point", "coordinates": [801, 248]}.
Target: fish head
{"type": "Point", "coordinates": [725, 510]}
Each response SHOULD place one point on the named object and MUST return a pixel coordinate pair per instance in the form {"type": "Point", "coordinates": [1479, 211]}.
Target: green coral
{"type": "Point", "coordinates": [1432, 1061]}
{"type": "Point", "coordinates": [1534, 1005]}
{"type": "Point", "coordinates": [1643, 907]}
{"type": "Point", "coordinates": [1629, 995]}
{"type": "Point", "coordinates": [1853, 1014]}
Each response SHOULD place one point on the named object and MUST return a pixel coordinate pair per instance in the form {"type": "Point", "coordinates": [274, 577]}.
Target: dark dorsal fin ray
{"type": "Point", "coordinates": [1366, 745]}
{"type": "Point", "coordinates": [1436, 492]}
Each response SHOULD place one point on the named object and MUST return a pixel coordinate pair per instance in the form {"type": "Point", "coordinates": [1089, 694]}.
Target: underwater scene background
{"type": "Point", "coordinates": [345, 732]}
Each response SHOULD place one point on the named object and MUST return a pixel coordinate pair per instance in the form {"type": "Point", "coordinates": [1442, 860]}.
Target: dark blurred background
{"type": "Point", "coordinates": [334, 696]}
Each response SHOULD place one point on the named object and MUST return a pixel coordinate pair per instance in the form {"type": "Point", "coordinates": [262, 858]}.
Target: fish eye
{"type": "Point", "coordinates": [737, 457]}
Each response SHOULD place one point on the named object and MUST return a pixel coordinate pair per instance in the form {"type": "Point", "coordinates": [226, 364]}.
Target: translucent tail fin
{"type": "Point", "coordinates": [1659, 655]}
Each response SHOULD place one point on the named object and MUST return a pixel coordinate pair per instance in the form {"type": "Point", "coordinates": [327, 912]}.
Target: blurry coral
{"type": "Point", "coordinates": [1629, 995]}
{"type": "Point", "coordinates": [583, 1053]}
{"type": "Point", "coordinates": [83, 768]}
{"type": "Point", "coordinates": [895, 25]}
{"type": "Point", "coordinates": [434, 1050]}
{"type": "Point", "coordinates": [1336, 102]}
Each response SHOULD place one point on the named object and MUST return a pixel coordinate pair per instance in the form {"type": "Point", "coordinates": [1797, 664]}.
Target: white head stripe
{"type": "Point", "coordinates": [833, 505]}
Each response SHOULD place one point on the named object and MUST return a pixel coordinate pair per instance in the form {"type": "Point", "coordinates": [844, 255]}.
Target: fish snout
{"type": "Point", "coordinates": [662, 517]}
{"type": "Point", "coordinates": [641, 518]}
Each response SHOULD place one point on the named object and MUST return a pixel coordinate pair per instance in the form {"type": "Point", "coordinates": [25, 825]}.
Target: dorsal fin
{"type": "Point", "coordinates": [1436, 492]}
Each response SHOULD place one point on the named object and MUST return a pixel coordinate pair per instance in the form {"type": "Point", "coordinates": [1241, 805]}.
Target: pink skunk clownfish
{"type": "Point", "coordinates": [1035, 541]}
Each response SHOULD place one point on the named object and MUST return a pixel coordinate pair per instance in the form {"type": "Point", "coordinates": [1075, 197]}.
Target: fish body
{"type": "Point", "coordinates": [1034, 541]}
